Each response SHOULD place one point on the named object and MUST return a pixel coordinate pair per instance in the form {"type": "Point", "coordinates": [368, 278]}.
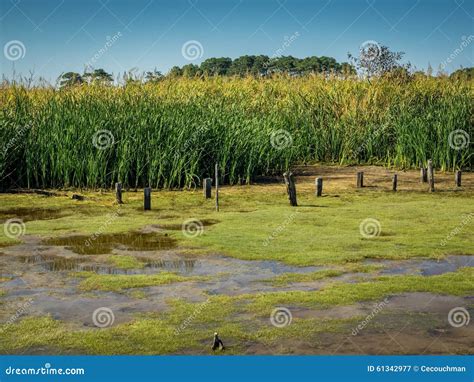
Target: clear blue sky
{"type": "Point", "coordinates": [63, 35]}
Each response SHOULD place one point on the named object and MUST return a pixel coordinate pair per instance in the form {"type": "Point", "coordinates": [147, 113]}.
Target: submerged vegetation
{"type": "Point", "coordinates": [171, 133]}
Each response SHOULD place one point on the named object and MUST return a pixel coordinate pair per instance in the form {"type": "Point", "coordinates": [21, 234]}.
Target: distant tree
{"type": "Point", "coordinates": [376, 60]}
{"type": "Point", "coordinates": [347, 69]}
{"type": "Point", "coordinates": [465, 74]}
{"type": "Point", "coordinates": [154, 76]}
{"type": "Point", "coordinates": [309, 65]}
{"type": "Point", "coordinates": [191, 70]}
{"type": "Point", "coordinates": [283, 64]}
{"type": "Point", "coordinates": [260, 65]}
{"type": "Point", "coordinates": [242, 66]}
{"type": "Point", "coordinates": [98, 76]}
{"type": "Point", "coordinates": [175, 71]}
{"type": "Point", "coordinates": [216, 66]}
{"type": "Point", "coordinates": [70, 79]}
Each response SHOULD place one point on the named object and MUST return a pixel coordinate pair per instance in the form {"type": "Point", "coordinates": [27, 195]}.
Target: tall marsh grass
{"type": "Point", "coordinates": [171, 134]}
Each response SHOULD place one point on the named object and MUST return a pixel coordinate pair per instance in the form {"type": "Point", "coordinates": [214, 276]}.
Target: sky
{"type": "Point", "coordinates": [50, 37]}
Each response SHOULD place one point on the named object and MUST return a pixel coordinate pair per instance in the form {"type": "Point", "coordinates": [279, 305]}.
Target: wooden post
{"type": "Point", "coordinates": [431, 175]}
{"type": "Point", "coordinates": [394, 182]}
{"type": "Point", "coordinates": [147, 200]}
{"type": "Point", "coordinates": [217, 187]}
{"type": "Point", "coordinates": [360, 179]}
{"type": "Point", "coordinates": [207, 185]}
{"type": "Point", "coordinates": [423, 175]}
{"type": "Point", "coordinates": [319, 186]}
{"type": "Point", "coordinates": [290, 188]}
{"type": "Point", "coordinates": [118, 193]}
{"type": "Point", "coordinates": [458, 178]}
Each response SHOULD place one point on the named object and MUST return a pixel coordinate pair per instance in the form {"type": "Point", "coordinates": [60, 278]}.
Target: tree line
{"type": "Point", "coordinates": [375, 61]}
{"type": "Point", "coordinates": [256, 65]}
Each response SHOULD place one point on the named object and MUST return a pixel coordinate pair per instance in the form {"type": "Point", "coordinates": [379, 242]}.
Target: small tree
{"type": "Point", "coordinates": [98, 76]}
{"type": "Point", "coordinates": [70, 79]}
{"type": "Point", "coordinates": [154, 76]}
{"type": "Point", "coordinates": [375, 60]}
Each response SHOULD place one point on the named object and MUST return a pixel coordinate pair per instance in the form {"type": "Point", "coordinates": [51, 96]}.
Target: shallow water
{"type": "Point", "coordinates": [105, 243]}
{"type": "Point", "coordinates": [42, 272]}
{"type": "Point", "coordinates": [426, 267]}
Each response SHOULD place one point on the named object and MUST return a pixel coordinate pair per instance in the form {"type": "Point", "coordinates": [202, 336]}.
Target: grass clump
{"type": "Point", "coordinates": [287, 278]}
{"type": "Point", "coordinates": [125, 262]}
{"type": "Point", "coordinates": [117, 283]}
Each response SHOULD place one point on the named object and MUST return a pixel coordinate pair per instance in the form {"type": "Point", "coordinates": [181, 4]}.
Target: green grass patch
{"type": "Point", "coordinates": [287, 278]}
{"type": "Point", "coordinates": [120, 282]}
{"type": "Point", "coordinates": [125, 262]}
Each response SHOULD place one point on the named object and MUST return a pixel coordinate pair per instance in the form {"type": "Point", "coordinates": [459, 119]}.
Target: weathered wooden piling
{"type": "Point", "coordinates": [290, 188]}
{"type": "Point", "coordinates": [431, 175]}
{"type": "Point", "coordinates": [207, 186]}
{"type": "Point", "coordinates": [423, 175]}
{"type": "Point", "coordinates": [147, 199]}
{"type": "Point", "coordinates": [394, 182]}
{"type": "Point", "coordinates": [319, 186]}
{"type": "Point", "coordinates": [118, 193]}
{"type": "Point", "coordinates": [360, 179]}
{"type": "Point", "coordinates": [457, 178]}
{"type": "Point", "coordinates": [217, 187]}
